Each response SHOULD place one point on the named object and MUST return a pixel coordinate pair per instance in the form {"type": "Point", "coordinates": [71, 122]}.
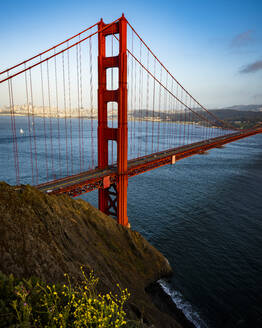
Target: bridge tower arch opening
{"type": "Point", "coordinates": [113, 195]}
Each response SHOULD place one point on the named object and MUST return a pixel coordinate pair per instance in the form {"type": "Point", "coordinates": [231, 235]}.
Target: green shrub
{"type": "Point", "coordinates": [32, 303]}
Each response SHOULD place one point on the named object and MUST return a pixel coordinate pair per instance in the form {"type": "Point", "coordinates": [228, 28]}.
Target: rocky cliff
{"type": "Point", "coordinates": [47, 236]}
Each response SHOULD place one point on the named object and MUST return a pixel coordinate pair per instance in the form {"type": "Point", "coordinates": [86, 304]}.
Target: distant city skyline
{"type": "Point", "coordinates": [213, 48]}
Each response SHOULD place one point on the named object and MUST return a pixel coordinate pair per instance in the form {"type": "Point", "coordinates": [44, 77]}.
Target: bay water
{"type": "Point", "coordinates": [204, 214]}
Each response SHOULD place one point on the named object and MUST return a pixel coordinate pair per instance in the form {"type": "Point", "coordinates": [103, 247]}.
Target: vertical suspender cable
{"type": "Point", "coordinates": [140, 90]}
{"type": "Point", "coordinates": [153, 118]}
{"type": "Point", "coordinates": [159, 109]}
{"type": "Point", "coordinates": [50, 121]}
{"type": "Point", "coordinates": [33, 123]}
{"type": "Point", "coordinates": [171, 111]}
{"type": "Point", "coordinates": [177, 125]}
{"type": "Point", "coordinates": [91, 101]}
{"type": "Point", "coordinates": [147, 103]}
{"type": "Point", "coordinates": [189, 123]}
{"type": "Point", "coordinates": [132, 94]}
{"type": "Point", "coordinates": [65, 113]}
{"type": "Point", "coordinates": [57, 118]}
{"type": "Point", "coordinates": [81, 103]}
{"type": "Point", "coordinates": [206, 129]}
{"type": "Point", "coordinates": [29, 127]}
{"type": "Point", "coordinates": [44, 116]}
{"type": "Point", "coordinates": [182, 120]}
{"type": "Point", "coordinates": [185, 117]}
{"type": "Point", "coordinates": [135, 111]}
{"type": "Point", "coordinates": [70, 108]}
{"type": "Point", "coordinates": [13, 126]}
{"type": "Point", "coordinates": [78, 107]}
{"type": "Point", "coordinates": [165, 114]}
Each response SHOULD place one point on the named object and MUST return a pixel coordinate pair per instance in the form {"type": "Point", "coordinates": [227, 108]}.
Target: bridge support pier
{"type": "Point", "coordinates": [116, 206]}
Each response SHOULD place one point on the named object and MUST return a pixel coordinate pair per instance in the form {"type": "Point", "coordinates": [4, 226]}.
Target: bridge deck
{"type": "Point", "coordinates": [84, 182]}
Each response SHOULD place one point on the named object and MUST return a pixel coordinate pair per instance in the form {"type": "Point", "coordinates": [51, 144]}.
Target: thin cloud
{"type": "Point", "coordinates": [242, 39]}
{"type": "Point", "coordinates": [252, 68]}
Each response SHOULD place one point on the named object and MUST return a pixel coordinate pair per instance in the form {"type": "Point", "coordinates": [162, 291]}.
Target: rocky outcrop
{"type": "Point", "coordinates": [47, 236]}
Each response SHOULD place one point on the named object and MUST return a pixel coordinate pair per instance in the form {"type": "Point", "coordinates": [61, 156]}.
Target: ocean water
{"type": "Point", "coordinates": [205, 215]}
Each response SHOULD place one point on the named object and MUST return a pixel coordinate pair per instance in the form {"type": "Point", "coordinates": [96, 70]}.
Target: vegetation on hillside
{"type": "Point", "coordinates": [33, 303]}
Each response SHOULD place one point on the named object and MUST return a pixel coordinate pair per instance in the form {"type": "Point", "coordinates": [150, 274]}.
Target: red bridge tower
{"type": "Point", "coordinates": [113, 197]}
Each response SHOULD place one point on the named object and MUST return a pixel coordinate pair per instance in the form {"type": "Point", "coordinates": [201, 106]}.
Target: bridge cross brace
{"type": "Point", "coordinates": [116, 206]}
{"type": "Point", "coordinates": [112, 198]}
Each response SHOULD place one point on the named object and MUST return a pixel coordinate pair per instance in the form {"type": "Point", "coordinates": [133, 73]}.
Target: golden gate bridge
{"type": "Point", "coordinates": [102, 108]}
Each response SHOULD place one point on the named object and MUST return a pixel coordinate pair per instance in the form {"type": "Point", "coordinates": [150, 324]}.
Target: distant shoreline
{"type": "Point", "coordinates": [157, 120]}
{"type": "Point", "coordinates": [236, 119]}
{"type": "Point", "coordinates": [47, 116]}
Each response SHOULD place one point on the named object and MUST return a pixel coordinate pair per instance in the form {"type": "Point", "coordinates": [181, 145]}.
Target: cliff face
{"type": "Point", "coordinates": [47, 236]}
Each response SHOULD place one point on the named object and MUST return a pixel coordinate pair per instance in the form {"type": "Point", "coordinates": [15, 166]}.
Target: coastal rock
{"type": "Point", "coordinates": [46, 236]}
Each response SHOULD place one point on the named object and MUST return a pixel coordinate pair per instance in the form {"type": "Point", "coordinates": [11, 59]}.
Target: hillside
{"type": "Point", "coordinates": [243, 119]}
{"type": "Point", "coordinates": [239, 118]}
{"type": "Point", "coordinates": [47, 236]}
{"type": "Point", "coordinates": [255, 108]}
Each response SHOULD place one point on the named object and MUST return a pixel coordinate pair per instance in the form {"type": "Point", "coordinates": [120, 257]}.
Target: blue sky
{"type": "Point", "coordinates": [214, 48]}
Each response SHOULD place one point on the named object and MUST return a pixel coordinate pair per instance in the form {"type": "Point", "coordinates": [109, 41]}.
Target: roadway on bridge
{"type": "Point", "coordinates": [87, 181]}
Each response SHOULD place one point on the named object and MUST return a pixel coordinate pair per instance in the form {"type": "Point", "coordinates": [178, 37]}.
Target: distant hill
{"type": "Point", "coordinates": [239, 118]}
{"type": "Point", "coordinates": [243, 119]}
{"type": "Point", "coordinates": [253, 108]}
